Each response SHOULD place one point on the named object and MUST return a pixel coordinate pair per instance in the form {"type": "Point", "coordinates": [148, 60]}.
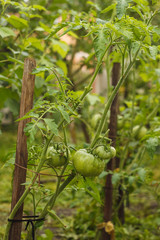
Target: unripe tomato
{"type": "Point", "coordinates": [101, 152]}
{"type": "Point", "coordinates": [54, 158]}
{"type": "Point", "coordinates": [113, 152]}
{"type": "Point", "coordinates": [138, 134]}
{"type": "Point", "coordinates": [95, 119]}
{"type": "Point", "coordinates": [105, 153]}
{"type": "Point", "coordinates": [86, 164]}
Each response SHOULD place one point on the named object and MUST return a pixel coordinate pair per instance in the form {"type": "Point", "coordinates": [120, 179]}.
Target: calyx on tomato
{"type": "Point", "coordinates": [55, 158]}
{"type": "Point", "coordinates": [86, 164]}
{"type": "Point", "coordinates": [139, 132]}
{"type": "Point", "coordinates": [105, 153]}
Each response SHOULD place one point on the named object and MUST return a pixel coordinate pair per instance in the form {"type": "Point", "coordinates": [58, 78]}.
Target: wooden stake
{"type": "Point", "coordinates": [21, 150]}
{"type": "Point", "coordinates": [111, 164]}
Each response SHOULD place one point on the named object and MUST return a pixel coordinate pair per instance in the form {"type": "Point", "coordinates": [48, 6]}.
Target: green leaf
{"type": "Point", "coordinates": [51, 125]}
{"type": "Point", "coordinates": [92, 99]}
{"type": "Point", "coordinates": [17, 22]}
{"type": "Point", "coordinates": [90, 184]}
{"type": "Point", "coordinates": [39, 7]}
{"type": "Point", "coordinates": [153, 51]}
{"type": "Point", "coordinates": [60, 47]}
{"type": "Point", "coordinates": [40, 69]}
{"type": "Point", "coordinates": [151, 145]}
{"type": "Point", "coordinates": [15, 60]}
{"type": "Point", "coordinates": [115, 178]}
{"type": "Point", "coordinates": [121, 7]}
{"type": "Point", "coordinates": [112, 6]}
{"type": "Point", "coordinates": [100, 42]}
{"type": "Point", "coordinates": [50, 77]}
{"type": "Point", "coordinates": [142, 174]}
{"type": "Point", "coordinates": [103, 174]}
{"type": "Point", "coordinates": [64, 113]}
{"type": "Point", "coordinates": [6, 32]}
{"type": "Point", "coordinates": [30, 131]}
{"type": "Point", "coordinates": [56, 29]}
{"type": "Point", "coordinates": [34, 42]}
{"type": "Point", "coordinates": [63, 66]}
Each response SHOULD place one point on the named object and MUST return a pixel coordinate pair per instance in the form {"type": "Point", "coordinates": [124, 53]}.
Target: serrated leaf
{"type": "Point", "coordinates": [6, 32]}
{"type": "Point", "coordinates": [153, 51]}
{"type": "Point", "coordinates": [121, 7]}
{"type": "Point", "coordinates": [151, 145]}
{"type": "Point", "coordinates": [100, 42]}
{"type": "Point", "coordinates": [41, 125]}
{"type": "Point", "coordinates": [64, 113]}
{"type": "Point", "coordinates": [69, 108]}
{"type": "Point", "coordinates": [51, 125]}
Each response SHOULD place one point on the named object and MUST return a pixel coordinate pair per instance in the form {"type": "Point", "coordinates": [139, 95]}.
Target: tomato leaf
{"type": "Point", "coordinates": [121, 7]}
{"type": "Point", "coordinates": [64, 113]}
{"type": "Point", "coordinates": [107, 9]}
{"type": "Point", "coordinates": [51, 125]}
{"type": "Point", "coordinates": [100, 42]}
{"type": "Point", "coordinates": [6, 32]}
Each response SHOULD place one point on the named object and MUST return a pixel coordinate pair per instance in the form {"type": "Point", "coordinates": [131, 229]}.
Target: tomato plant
{"type": "Point", "coordinates": [122, 32]}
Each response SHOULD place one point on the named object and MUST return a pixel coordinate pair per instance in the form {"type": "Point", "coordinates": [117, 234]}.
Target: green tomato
{"type": "Point", "coordinates": [86, 164]}
{"type": "Point", "coordinates": [101, 152]}
{"type": "Point", "coordinates": [113, 152]}
{"type": "Point", "coordinates": [95, 119]}
{"type": "Point", "coordinates": [138, 134]}
{"type": "Point", "coordinates": [54, 158]}
{"type": "Point", "coordinates": [105, 153]}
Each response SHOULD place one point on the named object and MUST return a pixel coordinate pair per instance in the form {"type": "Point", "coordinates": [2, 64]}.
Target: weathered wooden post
{"type": "Point", "coordinates": [111, 164]}
{"type": "Point", "coordinates": [21, 149]}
